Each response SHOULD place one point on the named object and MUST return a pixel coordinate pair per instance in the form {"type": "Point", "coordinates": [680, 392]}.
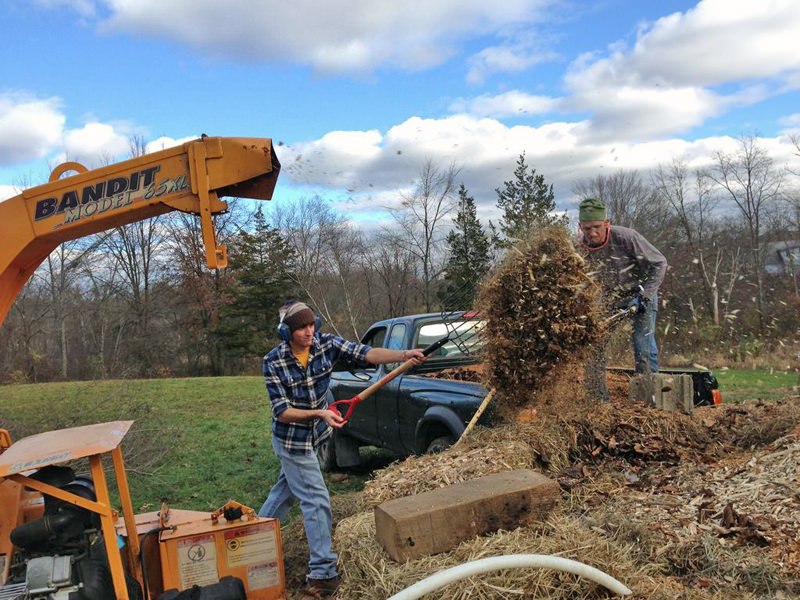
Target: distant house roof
{"type": "Point", "coordinates": [783, 257]}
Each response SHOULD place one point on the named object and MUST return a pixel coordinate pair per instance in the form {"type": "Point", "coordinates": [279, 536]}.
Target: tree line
{"type": "Point", "coordinates": [137, 301]}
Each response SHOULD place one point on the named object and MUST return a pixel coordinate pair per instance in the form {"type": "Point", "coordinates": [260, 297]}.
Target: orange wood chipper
{"type": "Point", "coordinates": [60, 537]}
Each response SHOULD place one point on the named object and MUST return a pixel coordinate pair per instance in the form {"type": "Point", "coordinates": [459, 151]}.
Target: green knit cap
{"type": "Point", "coordinates": [591, 209]}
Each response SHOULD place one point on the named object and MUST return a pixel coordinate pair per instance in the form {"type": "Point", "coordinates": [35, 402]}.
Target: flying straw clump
{"type": "Point", "coordinates": [542, 314]}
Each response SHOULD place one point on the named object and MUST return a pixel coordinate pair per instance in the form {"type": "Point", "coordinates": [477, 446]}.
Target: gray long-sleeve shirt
{"type": "Point", "coordinates": [626, 262]}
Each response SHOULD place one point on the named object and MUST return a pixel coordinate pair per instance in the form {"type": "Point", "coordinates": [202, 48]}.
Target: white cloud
{"type": "Point", "coordinates": [790, 121]}
{"type": "Point", "coordinates": [340, 158]}
{"type": "Point", "coordinates": [29, 127]}
{"type": "Point", "coordinates": [335, 36]}
{"type": "Point", "coordinates": [504, 59]}
{"type": "Point", "coordinates": [668, 82]}
{"type": "Point", "coordinates": [7, 191]}
{"type": "Point", "coordinates": [639, 113]}
{"type": "Point", "coordinates": [509, 104]}
{"type": "Point", "coordinates": [376, 167]}
{"type": "Point", "coordinates": [720, 41]}
{"type": "Point", "coordinates": [164, 142]}
{"type": "Point", "coordinates": [96, 143]}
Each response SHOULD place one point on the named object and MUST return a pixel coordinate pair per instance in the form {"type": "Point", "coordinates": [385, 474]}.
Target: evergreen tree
{"type": "Point", "coordinates": [262, 262]}
{"type": "Point", "coordinates": [468, 255]}
{"type": "Point", "coordinates": [527, 203]}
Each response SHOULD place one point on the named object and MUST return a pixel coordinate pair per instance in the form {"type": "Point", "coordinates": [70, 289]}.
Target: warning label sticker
{"type": "Point", "coordinates": [197, 561]}
{"type": "Point", "coordinates": [248, 546]}
{"type": "Point", "coordinates": [263, 576]}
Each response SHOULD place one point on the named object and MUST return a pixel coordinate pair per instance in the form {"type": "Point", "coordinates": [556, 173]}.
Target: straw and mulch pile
{"type": "Point", "coordinates": [666, 503]}
{"type": "Point", "coordinates": [541, 309]}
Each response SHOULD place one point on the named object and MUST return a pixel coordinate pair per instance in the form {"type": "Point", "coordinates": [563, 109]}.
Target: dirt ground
{"type": "Point", "coordinates": [705, 505]}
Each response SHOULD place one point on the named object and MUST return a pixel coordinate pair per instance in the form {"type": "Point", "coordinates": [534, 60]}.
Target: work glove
{"type": "Point", "coordinates": [640, 302]}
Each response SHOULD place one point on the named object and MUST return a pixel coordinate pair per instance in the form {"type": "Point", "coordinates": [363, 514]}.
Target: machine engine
{"type": "Point", "coordinates": [61, 555]}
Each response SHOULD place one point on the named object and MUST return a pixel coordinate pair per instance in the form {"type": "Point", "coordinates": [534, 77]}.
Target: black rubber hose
{"type": "Point", "coordinates": [141, 557]}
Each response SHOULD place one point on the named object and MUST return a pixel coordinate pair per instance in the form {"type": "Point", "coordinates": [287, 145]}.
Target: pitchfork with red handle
{"type": "Point", "coordinates": [358, 398]}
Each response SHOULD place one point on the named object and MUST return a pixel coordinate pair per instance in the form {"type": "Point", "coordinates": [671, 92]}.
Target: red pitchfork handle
{"type": "Point", "coordinates": [358, 398]}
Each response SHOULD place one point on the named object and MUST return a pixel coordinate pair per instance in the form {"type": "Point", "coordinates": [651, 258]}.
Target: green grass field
{"type": "Point", "coordinates": [740, 384]}
{"type": "Point", "coordinates": [199, 442]}
{"type": "Point", "coordinates": [195, 443]}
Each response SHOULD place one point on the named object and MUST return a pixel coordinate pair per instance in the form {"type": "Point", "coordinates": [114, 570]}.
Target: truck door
{"type": "Point", "coordinates": [388, 428]}
{"type": "Point", "coordinates": [363, 422]}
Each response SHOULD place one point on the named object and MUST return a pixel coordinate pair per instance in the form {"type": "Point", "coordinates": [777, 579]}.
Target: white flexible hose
{"type": "Point", "coordinates": [510, 561]}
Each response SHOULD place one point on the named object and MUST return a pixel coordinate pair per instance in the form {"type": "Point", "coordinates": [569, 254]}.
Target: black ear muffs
{"type": "Point", "coordinates": [284, 332]}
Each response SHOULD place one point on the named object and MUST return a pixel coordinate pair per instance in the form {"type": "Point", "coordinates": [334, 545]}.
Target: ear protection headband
{"type": "Point", "coordinates": [283, 329]}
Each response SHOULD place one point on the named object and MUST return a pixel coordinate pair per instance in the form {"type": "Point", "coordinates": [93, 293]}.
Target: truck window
{"type": "Point", "coordinates": [397, 336]}
{"type": "Point", "coordinates": [464, 335]}
{"type": "Point", "coordinates": [374, 338]}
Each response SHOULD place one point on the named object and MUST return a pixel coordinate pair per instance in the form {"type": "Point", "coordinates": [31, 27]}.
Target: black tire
{"type": "Point", "coordinates": [439, 444]}
{"type": "Point", "coordinates": [326, 455]}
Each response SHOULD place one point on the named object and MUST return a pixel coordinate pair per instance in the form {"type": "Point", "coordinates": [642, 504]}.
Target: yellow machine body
{"type": "Point", "coordinates": [194, 548]}
{"type": "Point", "coordinates": [190, 178]}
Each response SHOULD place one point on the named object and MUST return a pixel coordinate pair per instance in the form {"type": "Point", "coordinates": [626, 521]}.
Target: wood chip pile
{"type": "Point", "coordinates": [749, 500]}
{"type": "Point", "coordinates": [671, 505]}
{"type": "Point", "coordinates": [540, 308]}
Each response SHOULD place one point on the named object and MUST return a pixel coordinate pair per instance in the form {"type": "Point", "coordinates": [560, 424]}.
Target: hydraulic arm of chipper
{"type": "Point", "coordinates": [191, 178]}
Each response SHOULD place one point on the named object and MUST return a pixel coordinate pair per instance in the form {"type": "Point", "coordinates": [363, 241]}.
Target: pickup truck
{"type": "Point", "coordinates": [414, 413]}
{"type": "Point", "coordinates": [420, 411]}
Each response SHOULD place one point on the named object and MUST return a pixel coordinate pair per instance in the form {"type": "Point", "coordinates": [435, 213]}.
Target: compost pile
{"type": "Point", "coordinates": [676, 506]}
{"type": "Point", "coordinates": [541, 309]}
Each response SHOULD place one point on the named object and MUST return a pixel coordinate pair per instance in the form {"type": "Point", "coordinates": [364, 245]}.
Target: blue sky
{"type": "Point", "coordinates": [360, 93]}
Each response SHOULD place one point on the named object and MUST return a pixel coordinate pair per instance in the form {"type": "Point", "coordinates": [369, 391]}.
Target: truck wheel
{"type": "Point", "coordinates": [439, 444]}
{"type": "Point", "coordinates": [326, 455]}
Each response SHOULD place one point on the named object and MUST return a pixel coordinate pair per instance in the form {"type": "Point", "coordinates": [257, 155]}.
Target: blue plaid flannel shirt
{"type": "Point", "coordinates": [289, 384]}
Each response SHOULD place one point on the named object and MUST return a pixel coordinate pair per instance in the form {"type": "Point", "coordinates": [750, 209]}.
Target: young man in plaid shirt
{"type": "Point", "coordinates": [297, 373]}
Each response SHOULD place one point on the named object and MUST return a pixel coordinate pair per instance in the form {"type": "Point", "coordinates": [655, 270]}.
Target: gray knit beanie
{"type": "Point", "coordinates": [296, 315]}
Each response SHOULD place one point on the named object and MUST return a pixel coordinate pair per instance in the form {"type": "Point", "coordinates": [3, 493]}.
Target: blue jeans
{"type": "Point", "coordinates": [645, 351]}
{"type": "Point", "coordinates": [301, 478]}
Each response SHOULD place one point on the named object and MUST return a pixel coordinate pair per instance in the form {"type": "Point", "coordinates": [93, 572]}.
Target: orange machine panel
{"type": "Point", "coordinates": [202, 552]}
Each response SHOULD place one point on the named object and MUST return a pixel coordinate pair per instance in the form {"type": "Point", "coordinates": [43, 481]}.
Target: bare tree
{"type": "Point", "coordinates": [61, 270]}
{"type": "Point", "coordinates": [26, 332]}
{"type": "Point", "coordinates": [691, 198]}
{"type": "Point", "coordinates": [199, 293]}
{"type": "Point", "coordinates": [420, 218]}
{"type": "Point", "coordinates": [394, 268]}
{"type": "Point", "coordinates": [795, 140]}
{"type": "Point", "coordinates": [105, 330]}
{"type": "Point", "coordinates": [630, 200]}
{"type": "Point", "coordinates": [138, 249]}
{"type": "Point", "coordinates": [750, 179]}
{"type": "Point", "coordinates": [326, 248]}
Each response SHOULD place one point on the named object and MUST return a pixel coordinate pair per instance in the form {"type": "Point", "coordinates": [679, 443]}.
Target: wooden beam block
{"type": "Point", "coordinates": [673, 393]}
{"type": "Point", "coordinates": [439, 520]}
